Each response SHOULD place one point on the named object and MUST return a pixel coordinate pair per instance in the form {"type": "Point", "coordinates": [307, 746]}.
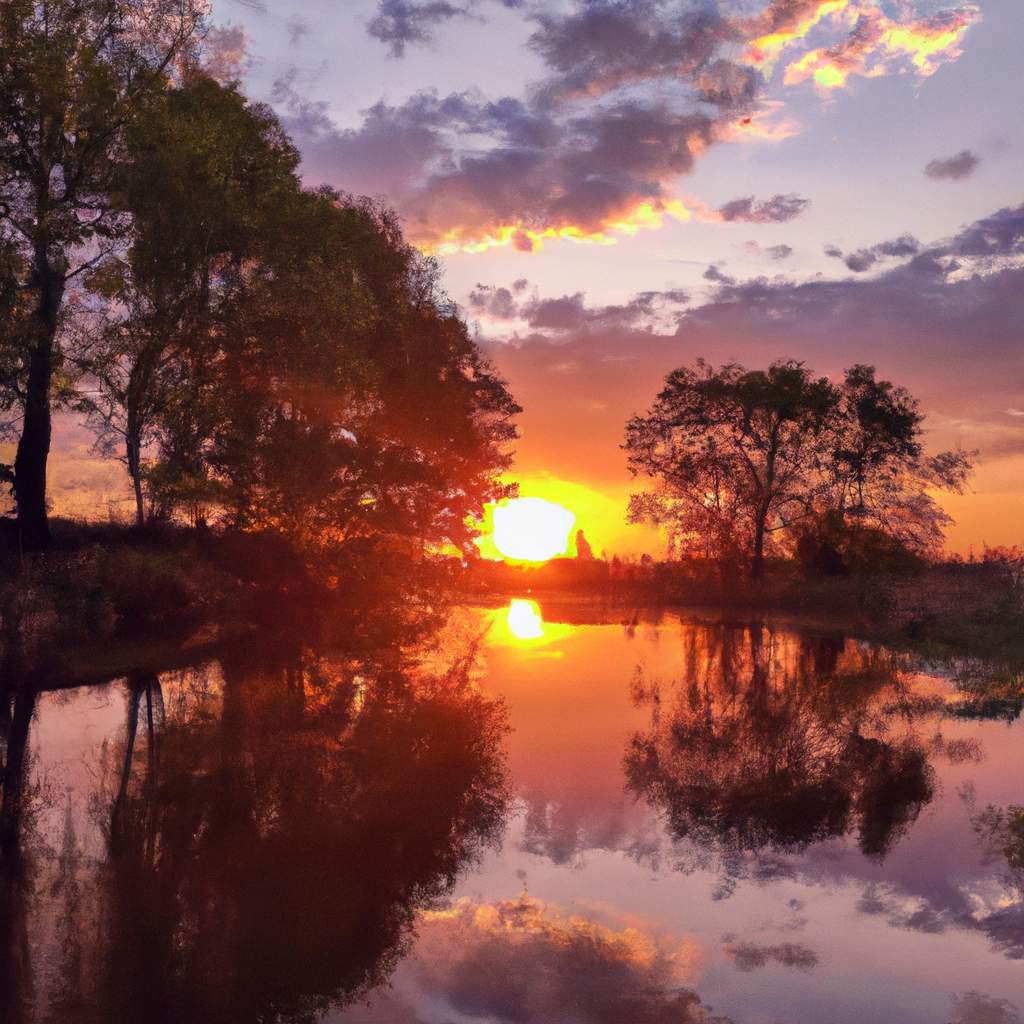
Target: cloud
{"type": "Point", "coordinates": [717, 276]}
{"type": "Point", "coordinates": [592, 49]}
{"type": "Point", "coordinates": [777, 210]}
{"type": "Point", "coordinates": [297, 28]}
{"type": "Point", "coordinates": [865, 259]}
{"type": "Point", "coordinates": [494, 303]}
{"type": "Point", "coordinates": [953, 168]}
{"type": "Point", "coordinates": [400, 22]}
{"type": "Point", "coordinates": [774, 252]}
{"type": "Point", "coordinates": [874, 44]}
{"type": "Point", "coordinates": [632, 94]}
{"type": "Point", "coordinates": [750, 956]}
{"type": "Point", "coordinates": [976, 1008]}
{"type": "Point", "coordinates": [644, 311]}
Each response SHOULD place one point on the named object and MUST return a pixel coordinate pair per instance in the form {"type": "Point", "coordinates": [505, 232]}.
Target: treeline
{"type": "Point", "coordinates": [258, 354]}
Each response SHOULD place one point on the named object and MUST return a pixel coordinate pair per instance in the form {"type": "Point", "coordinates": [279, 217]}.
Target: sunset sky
{"type": "Point", "coordinates": [616, 188]}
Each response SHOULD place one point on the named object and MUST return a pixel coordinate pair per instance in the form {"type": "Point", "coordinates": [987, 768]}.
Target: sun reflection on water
{"type": "Point", "coordinates": [520, 626]}
{"type": "Point", "coordinates": [524, 619]}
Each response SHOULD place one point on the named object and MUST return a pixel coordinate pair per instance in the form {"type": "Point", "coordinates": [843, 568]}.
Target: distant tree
{"type": "Point", "coordinates": [73, 76]}
{"type": "Point", "coordinates": [742, 457]}
{"type": "Point", "coordinates": [737, 454]}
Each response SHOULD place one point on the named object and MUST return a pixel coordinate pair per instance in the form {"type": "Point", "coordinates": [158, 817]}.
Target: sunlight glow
{"type": "Point", "coordinates": [532, 529]}
{"type": "Point", "coordinates": [643, 214]}
{"type": "Point", "coordinates": [524, 620]}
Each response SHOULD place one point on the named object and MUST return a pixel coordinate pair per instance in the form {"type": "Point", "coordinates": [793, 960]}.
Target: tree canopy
{"type": "Point", "coordinates": [74, 74]}
{"type": "Point", "coordinates": [255, 352]}
{"type": "Point", "coordinates": [742, 459]}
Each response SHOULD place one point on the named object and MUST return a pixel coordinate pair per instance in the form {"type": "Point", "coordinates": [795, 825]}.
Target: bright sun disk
{"type": "Point", "coordinates": [532, 529]}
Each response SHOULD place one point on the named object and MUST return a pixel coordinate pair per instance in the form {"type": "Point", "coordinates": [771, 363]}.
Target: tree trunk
{"type": "Point", "coordinates": [757, 561]}
{"type": "Point", "coordinates": [134, 453]}
{"type": "Point", "coordinates": [34, 443]}
{"type": "Point", "coordinates": [34, 449]}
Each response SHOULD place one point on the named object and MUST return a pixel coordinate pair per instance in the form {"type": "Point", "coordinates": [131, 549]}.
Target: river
{"type": "Point", "coordinates": [537, 815]}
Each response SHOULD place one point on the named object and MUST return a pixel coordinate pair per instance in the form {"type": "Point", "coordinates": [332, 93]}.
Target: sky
{"type": "Point", "coordinates": [616, 187]}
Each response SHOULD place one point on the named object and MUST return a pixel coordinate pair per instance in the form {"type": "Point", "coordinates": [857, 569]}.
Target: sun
{"type": "Point", "coordinates": [532, 529]}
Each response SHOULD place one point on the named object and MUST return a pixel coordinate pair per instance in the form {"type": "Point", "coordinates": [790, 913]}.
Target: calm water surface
{"type": "Point", "coordinates": [524, 821]}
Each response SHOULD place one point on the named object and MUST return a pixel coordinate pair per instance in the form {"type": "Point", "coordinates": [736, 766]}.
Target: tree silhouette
{"type": "Point", "coordinates": [201, 173]}
{"type": "Point", "coordinates": [735, 452]}
{"type": "Point", "coordinates": [742, 457]}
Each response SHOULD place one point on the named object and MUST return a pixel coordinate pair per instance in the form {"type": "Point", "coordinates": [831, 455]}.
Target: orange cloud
{"type": "Point", "coordinates": [645, 214]}
{"type": "Point", "coordinates": [876, 42]}
{"type": "Point", "coordinates": [789, 23]}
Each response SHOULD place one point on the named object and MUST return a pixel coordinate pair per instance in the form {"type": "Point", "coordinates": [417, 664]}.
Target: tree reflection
{"type": "Point", "coordinates": [16, 712]}
{"type": "Point", "coordinates": [270, 831]}
{"type": "Point", "coordinates": [772, 742]}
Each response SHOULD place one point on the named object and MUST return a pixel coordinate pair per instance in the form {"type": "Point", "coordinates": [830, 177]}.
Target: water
{"type": "Point", "coordinates": [676, 819]}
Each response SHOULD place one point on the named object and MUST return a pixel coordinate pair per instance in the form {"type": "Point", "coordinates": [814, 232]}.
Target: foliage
{"type": "Point", "coordinates": [202, 169]}
{"type": "Point", "coordinates": [280, 358]}
{"type": "Point", "coordinates": [748, 461]}
{"type": "Point", "coordinates": [73, 76]}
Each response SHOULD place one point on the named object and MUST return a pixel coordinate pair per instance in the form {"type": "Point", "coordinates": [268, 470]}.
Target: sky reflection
{"type": "Point", "coordinates": [684, 819]}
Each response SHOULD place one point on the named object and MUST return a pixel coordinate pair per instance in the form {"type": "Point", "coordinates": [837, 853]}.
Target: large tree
{"type": "Point", "coordinates": [73, 76]}
{"type": "Point", "coordinates": [742, 456]}
{"type": "Point", "coordinates": [350, 400]}
{"type": "Point", "coordinates": [202, 174]}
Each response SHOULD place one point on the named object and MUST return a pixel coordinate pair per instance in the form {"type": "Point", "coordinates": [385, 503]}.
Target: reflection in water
{"type": "Point", "coordinates": [524, 620]}
{"type": "Point", "coordinates": [525, 962]}
{"type": "Point", "coordinates": [312, 834]}
{"type": "Point", "coordinates": [521, 624]}
{"type": "Point", "coordinates": [773, 742]}
{"type": "Point", "coordinates": [268, 830]}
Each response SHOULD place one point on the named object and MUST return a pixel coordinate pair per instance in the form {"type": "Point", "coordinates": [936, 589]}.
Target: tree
{"type": "Point", "coordinates": [882, 478]}
{"type": "Point", "coordinates": [347, 399]}
{"type": "Point", "coordinates": [736, 453]}
{"type": "Point", "coordinates": [742, 457]}
{"type": "Point", "coordinates": [202, 169]}
{"type": "Point", "coordinates": [73, 76]}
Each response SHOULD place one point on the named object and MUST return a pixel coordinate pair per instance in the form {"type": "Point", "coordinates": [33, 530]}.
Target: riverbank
{"type": "Point", "coordinates": [106, 595]}
{"type": "Point", "coordinates": [953, 608]}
